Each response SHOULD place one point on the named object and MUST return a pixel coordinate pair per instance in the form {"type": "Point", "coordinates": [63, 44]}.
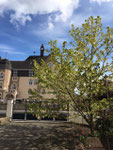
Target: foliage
{"type": "Point", "coordinates": [78, 73]}
{"type": "Point", "coordinates": [105, 126]}
{"type": "Point", "coordinates": [42, 109]}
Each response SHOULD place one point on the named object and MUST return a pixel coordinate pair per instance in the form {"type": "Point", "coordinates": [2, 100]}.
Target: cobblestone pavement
{"type": "Point", "coordinates": [37, 136]}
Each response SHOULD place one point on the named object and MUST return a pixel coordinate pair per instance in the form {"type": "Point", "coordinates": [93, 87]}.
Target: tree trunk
{"type": "Point", "coordinates": [91, 126]}
{"type": "Point", "coordinates": [90, 122]}
{"type": "Point", "coordinates": [92, 130]}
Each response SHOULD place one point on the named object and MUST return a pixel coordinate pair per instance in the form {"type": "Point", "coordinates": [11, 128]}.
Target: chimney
{"type": "Point", "coordinates": [42, 50]}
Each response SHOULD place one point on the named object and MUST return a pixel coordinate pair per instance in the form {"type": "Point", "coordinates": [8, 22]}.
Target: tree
{"type": "Point", "coordinates": [78, 73]}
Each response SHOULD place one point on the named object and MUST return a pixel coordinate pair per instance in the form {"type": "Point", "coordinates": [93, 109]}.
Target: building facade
{"type": "Point", "coordinates": [16, 76]}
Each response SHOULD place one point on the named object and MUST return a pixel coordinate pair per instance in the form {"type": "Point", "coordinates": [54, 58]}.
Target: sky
{"type": "Point", "coordinates": [26, 24]}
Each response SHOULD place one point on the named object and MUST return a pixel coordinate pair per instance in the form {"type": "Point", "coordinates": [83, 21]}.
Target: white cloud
{"type": "Point", "coordinates": [100, 1]}
{"type": "Point", "coordinates": [50, 26]}
{"type": "Point", "coordinates": [22, 9]}
{"type": "Point", "coordinates": [59, 33]}
{"type": "Point", "coordinates": [67, 9]}
{"type": "Point", "coordinates": [78, 20]}
{"type": "Point", "coordinates": [19, 18]}
{"type": "Point", "coordinates": [9, 50]}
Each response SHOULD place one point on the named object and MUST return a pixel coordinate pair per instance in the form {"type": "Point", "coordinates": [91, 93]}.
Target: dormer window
{"type": "Point", "coordinates": [31, 73]}
{"type": "Point", "coordinates": [15, 73]}
{"type": "Point", "coordinates": [1, 75]}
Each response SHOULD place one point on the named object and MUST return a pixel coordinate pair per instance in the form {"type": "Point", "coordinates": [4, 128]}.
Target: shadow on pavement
{"type": "Point", "coordinates": [38, 136]}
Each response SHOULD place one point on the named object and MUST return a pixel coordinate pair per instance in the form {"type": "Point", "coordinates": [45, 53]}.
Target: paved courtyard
{"type": "Point", "coordinates": [37, 136]}
{"type": "Point", "coordinates": [34, 135]}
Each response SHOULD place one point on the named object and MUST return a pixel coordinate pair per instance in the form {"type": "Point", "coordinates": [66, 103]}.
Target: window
{"type": "Point", "coordinates": [43, 92]}
{"type": "Point", "coordinates": [31, 73]}
{"type": "Point", "coordinates": [0, 85]}
{"type": "Point", "coordinates": [50, 65]}
{"type": "Point", "coordinates": [15, 73]}
{"type": "Point", "coordinates": [14, 86]}
{"type": "Point", "coordinates": [14, 78]}
{"type": "Point", "coordinates": [1, 75]}
{"type": "Point", "coordinates": [0, 95]}
{"type": "Point", "coordinates": [30, 82]}
{"type": "Point", "coordinates": [35, 81]}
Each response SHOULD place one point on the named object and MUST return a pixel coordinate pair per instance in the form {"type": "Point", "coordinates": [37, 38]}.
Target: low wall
{"type": "Point", "coordinates": [4, 120]}
{"type": "Point", "coordinates": [76, 118]}
{"type": "Point", "coordinates": [3, 106]}
{"type": "Point", "coordinates": [19, 107]}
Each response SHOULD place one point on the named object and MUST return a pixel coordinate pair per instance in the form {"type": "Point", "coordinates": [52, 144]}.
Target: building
{"type": "Point", "coordinates": [16, 77]}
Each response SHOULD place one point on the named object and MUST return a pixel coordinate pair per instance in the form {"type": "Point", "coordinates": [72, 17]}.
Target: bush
{"type": "Point", "coordinates": [84, 138]}
{"type": "Point", "coordinates": [105, 126]}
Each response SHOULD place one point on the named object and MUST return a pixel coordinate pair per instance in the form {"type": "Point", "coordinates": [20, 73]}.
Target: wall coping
{"type": "Point", "coordinates": [4, 120]}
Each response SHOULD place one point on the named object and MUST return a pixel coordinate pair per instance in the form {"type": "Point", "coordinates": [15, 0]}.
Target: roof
{"type": "Point", "coordinates": [28, 63]}
{"type": "Point", "coordinates": [5, 64]}
{"type": "Point", "coordinates": [20, 65]}
{"type": "Point", "coordinates": [37, 58]}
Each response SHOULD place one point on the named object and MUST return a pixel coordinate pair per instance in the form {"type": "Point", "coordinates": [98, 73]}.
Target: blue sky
{"type": "Point", "coordinates": [26, 24]}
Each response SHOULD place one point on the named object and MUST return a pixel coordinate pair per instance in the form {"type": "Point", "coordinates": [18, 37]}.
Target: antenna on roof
{"type": "Point", "coordinates": [34, 52]}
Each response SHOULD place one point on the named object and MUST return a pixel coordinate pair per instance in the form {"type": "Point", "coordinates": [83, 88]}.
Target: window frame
{"type": "Point", "coordinates": [30, 82]}
{"type": "Point", "coordinates": [31, 73]}
{"type": "Point", "coordinates": [14, 73]}
{"type": "Point", "coordinates": [0, 96]}
{"type": "Point", "coordinates": [14, 78]}
{"type": "Point", "coordinates": [14, 87]}
{"type": "Point", "coordinates": [1, 85]}
{"type": "Point", "coordinates": [1, 75]}
{"type": "Point", "coordinates": [35, 81]}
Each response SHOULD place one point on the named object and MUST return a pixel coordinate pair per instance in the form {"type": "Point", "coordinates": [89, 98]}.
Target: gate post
{"type": "Point", "coordinates": [9, 111]}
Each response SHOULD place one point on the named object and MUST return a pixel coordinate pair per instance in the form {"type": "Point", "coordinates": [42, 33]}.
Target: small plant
{"type": "Point", "coordinates": [84, 138]}
{"type": "Point", "coordinates": [96, 134]}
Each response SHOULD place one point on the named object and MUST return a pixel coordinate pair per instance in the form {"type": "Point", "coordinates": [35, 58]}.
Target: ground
{"type": "Point", "coordinates": [42, 136]}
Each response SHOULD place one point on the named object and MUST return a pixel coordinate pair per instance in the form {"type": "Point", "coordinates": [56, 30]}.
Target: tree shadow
{"type": "Point", "coordinates": [107, 142]}
{"type": "Point", "coordinates": [43, 136]}
{"type": "Point", "coordinates": [37, 136]}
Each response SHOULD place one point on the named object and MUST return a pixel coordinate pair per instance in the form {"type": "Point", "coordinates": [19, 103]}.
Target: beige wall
{"type": "Point", "coordinates": [48, 95]}
{"type": "Point", "coordinates": [15, 80]}
{"type": "Point", "coordinates": [6, 80]}
{"type": "Point", "coordinates": [24, 86]}
{"type": "Point", "coordinates": [75, 117]}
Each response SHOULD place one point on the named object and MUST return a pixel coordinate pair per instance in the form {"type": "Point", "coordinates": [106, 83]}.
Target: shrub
{"type": "Point", "coordinates": [105, 126]}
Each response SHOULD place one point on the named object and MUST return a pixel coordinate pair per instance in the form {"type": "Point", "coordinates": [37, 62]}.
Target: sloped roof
{"type": "Point", "coordinates": [28, 63]}
{"type": "Point", "coordinates": [5, 64]}
{"type": "Point", "coordinates": [20, 65]}
{"type": "Point", "coordinates": [37, 58]}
